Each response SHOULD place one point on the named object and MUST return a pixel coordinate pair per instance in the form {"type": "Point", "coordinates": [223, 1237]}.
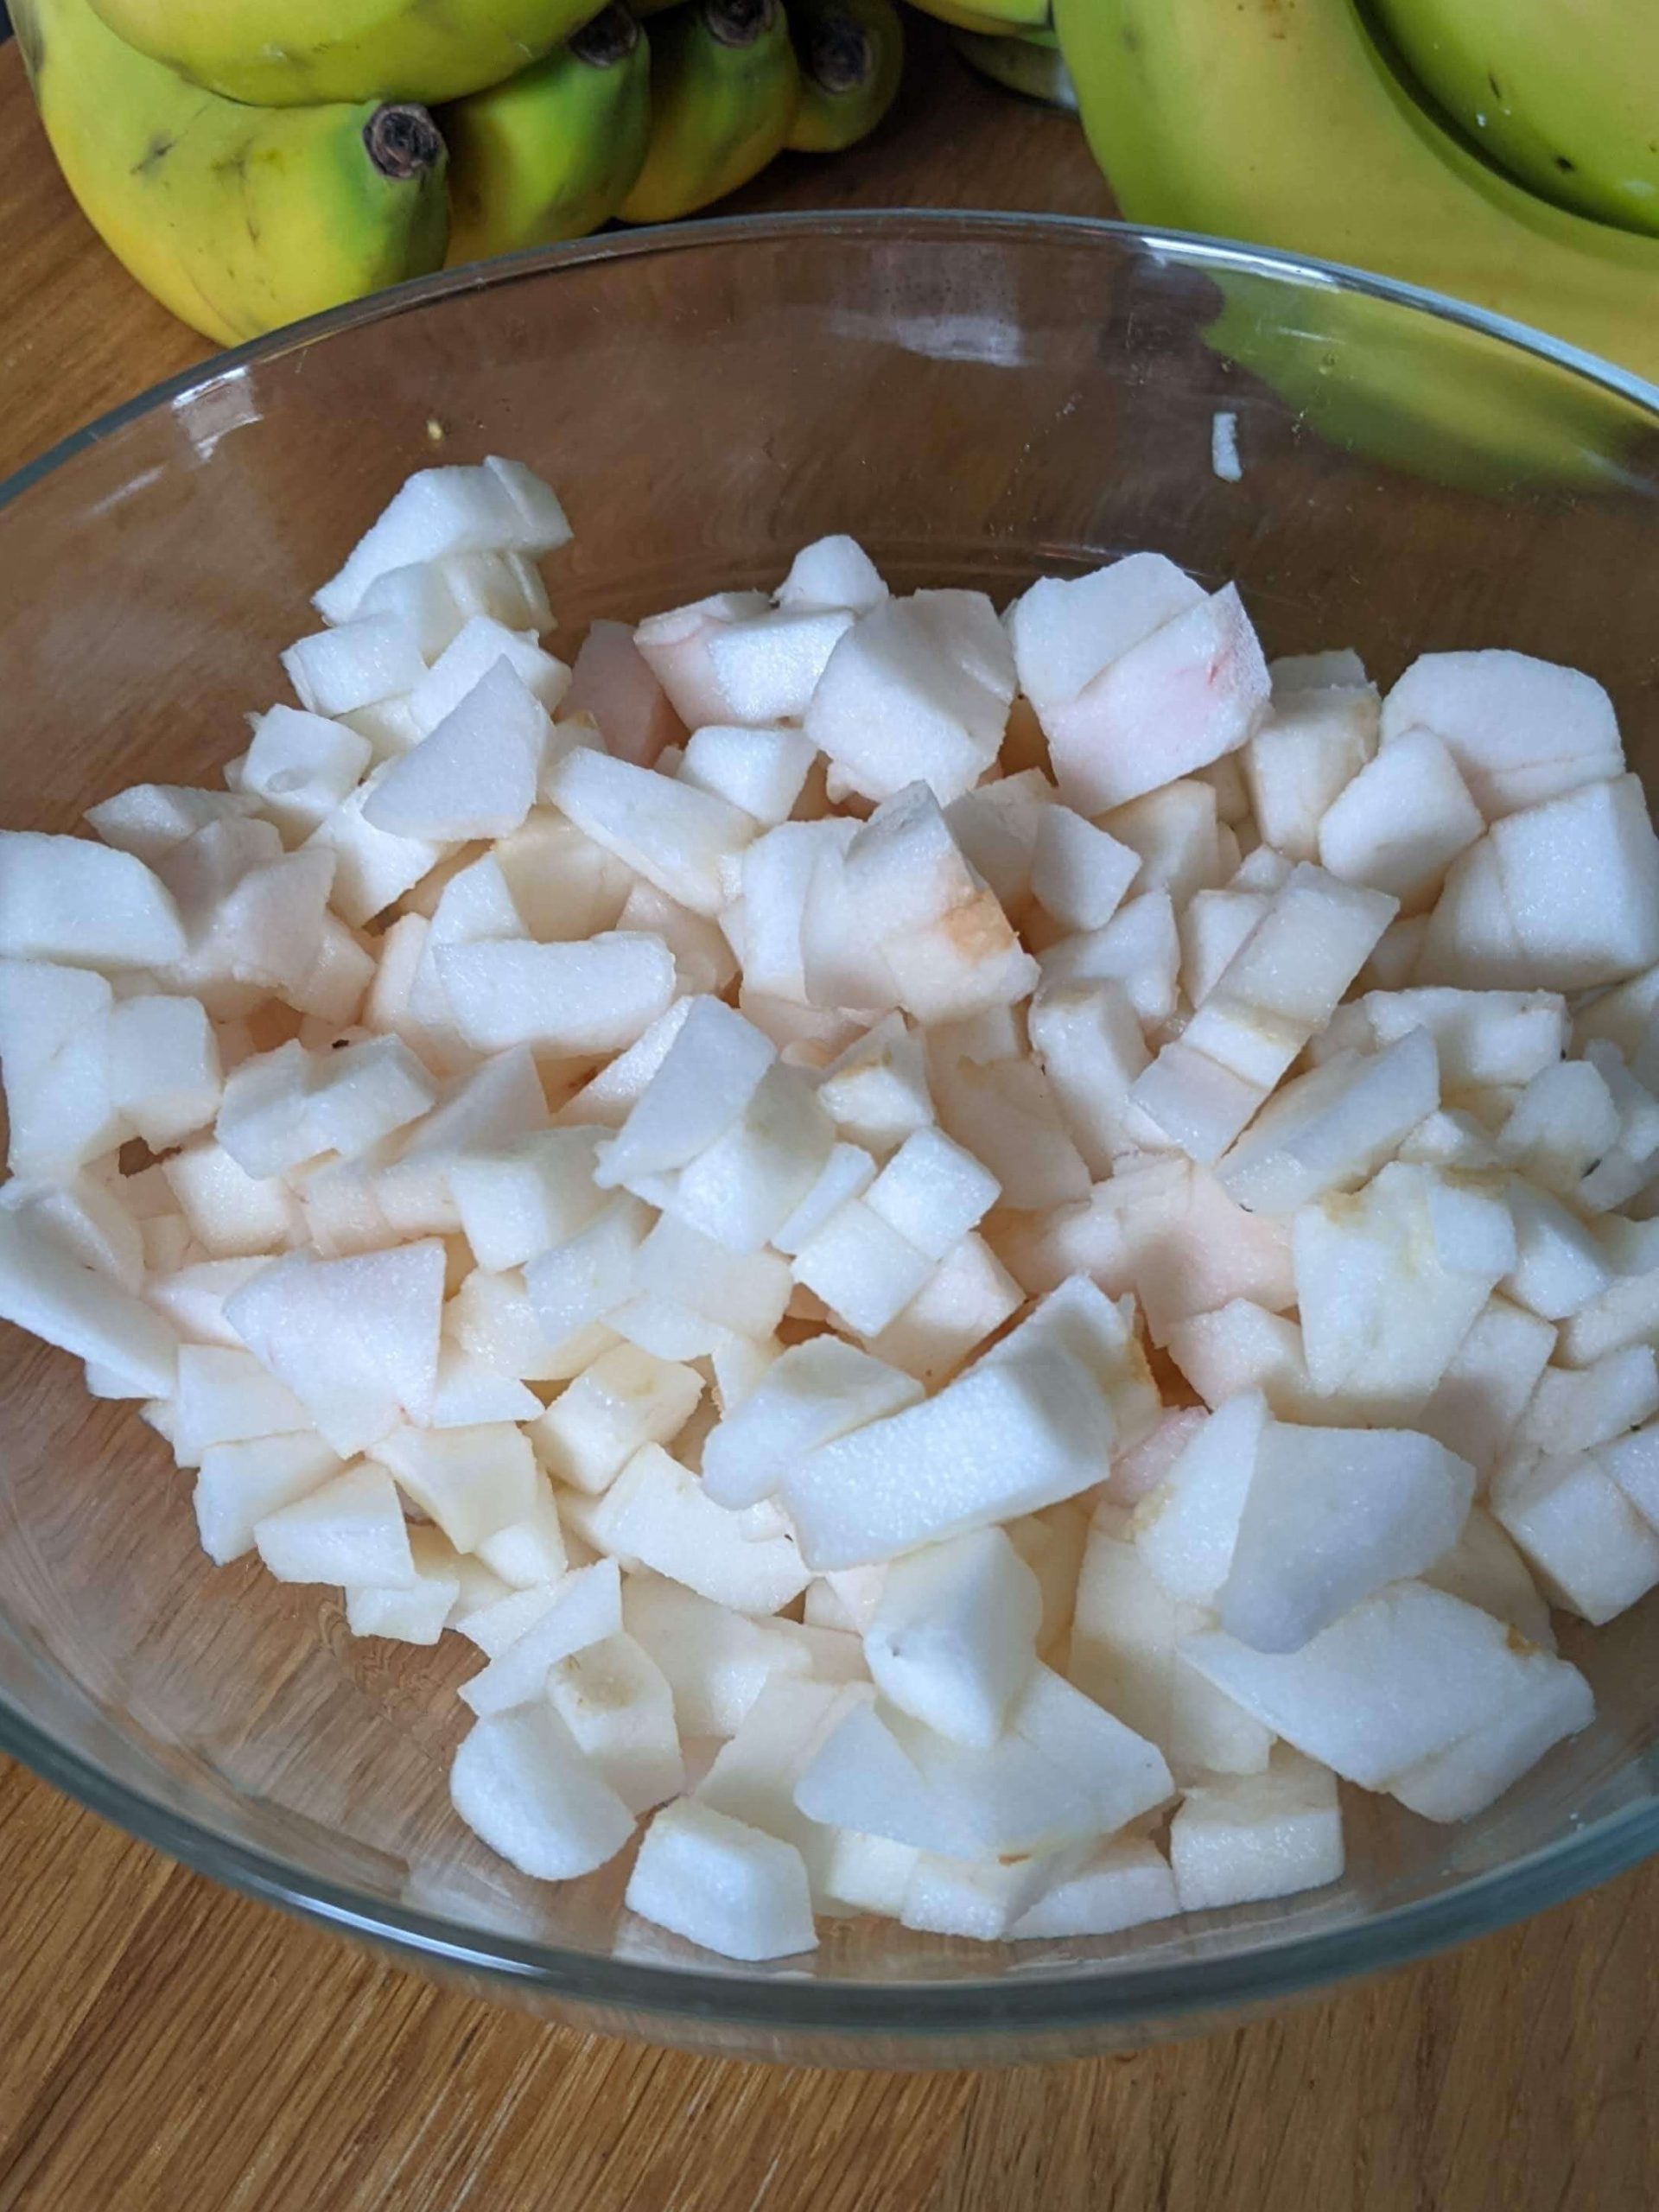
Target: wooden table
{"type": "Point", "coordinates": [166, 2044]}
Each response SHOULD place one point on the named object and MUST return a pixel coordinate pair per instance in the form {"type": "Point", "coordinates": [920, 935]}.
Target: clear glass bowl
{"type": "Point", "coordinates": [975, 398]}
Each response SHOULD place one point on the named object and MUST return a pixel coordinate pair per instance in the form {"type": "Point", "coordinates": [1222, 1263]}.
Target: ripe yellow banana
{"type": "Point", "coordinates": [724, 88]}
{"type": "Point", "coordinates": [1283, 122]}
{"type": "Point", "coordinates": [1030, 65]}
{"type": "Point", "coordinates": [299, 53]}
{"type": "Point", "coordinates": [551, 153]}
{"type": "Point", "coordinates": [852, 55]}
{"type": "Point", "coordinates": [238, 218]}
{"type": "Point", "coordinates": [1564, 94]}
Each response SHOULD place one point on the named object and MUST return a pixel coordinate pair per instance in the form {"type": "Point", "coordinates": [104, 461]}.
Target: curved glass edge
{"type": "Point", "coordinates": [1165, 1993]}
{"type": "Point", "coordinates": [1162, 1996]}
{"type": "Point", "coordinates": [1195, 248]}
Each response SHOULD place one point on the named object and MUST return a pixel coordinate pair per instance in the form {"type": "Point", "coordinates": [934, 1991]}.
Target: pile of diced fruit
{"type": "Point", "coordinates": [977, 1253]}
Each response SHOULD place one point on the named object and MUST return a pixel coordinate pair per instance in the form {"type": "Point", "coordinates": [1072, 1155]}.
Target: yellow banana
{"type": "Point", "coordinates": [1032, 65]}
{"type": "Point", "coordinates": [300, 53]}
{"type": "Point", "coordinates": [238, 218]}
{"type": "Point", "coordinates": [1283, 122]}
{"type": "Point", "coordinates": [1564, 94]}
{"type": "Point", "coordinates": [994, 18]}
{"type": "Point", "coordinates": [724, 88]}
{"type": "Point", "coordinates": [852, 55]}
{"type": "Point", "coordinates": [551, 153]}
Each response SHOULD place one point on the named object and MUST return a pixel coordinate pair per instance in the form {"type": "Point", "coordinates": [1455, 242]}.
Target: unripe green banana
{"type": "Point", "coordinates": [301, 53]}
{"type": "Point", "coordinates": [724, 88]}
{"type": "Point", "coordinates": [852, 55]}
{"type": "Point", "coordinates": [995, 18]}
{"type": "Point", "coordinates": [1564, 94]}
{"type": "Point", "coordinates": [239, 218]}
{"type": "Point", "coordinates": [1030, 65]}
{"type": "Point", "coordinates": [1289, 126]}
{"type": "Point", "coordinates": [550, 153]}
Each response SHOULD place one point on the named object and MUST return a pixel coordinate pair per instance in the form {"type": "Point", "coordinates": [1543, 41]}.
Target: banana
{"type": "Point", "coordinates": [1032, 65]}
{"type": "Point", "coordinates": [852, 55]}
{"type": "Point", "coordinates": [724, 88]}
{"type": "Point", "coordinates": [551, 153]}
{"type": "Point", "coordinates": [300, 53]}
{"type": "Point", "coordinates": [1282, 122]}
{"type": "Point", "coordinates": [994, 18]}
{"type": "Point", "coordinates": [1565, 98]}
{"type": "Point", "coordinates": [238, 218]}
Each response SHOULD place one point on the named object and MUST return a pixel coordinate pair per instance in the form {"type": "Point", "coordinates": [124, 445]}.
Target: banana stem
{"type": "Point", "coordinates": [739, 22]}
{"type": "Point", "coordinates": [403, 141]}
{"type": "Point", "coordinates": [611, 37]}
{"type": "Point", "coordinates": [842, 57]}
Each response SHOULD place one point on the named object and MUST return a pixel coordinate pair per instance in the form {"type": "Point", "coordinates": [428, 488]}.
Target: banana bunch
{"type": "Point", "coordinates": [1312, 125]}
{"type": "Point", "coordinates": [252, 162]}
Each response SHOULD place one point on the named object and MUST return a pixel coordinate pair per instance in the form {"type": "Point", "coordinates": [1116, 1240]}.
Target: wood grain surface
{"type": "Point", "coordinates": [166, 2044]}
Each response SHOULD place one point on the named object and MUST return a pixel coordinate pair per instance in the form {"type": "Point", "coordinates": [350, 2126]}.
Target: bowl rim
{"type": "Point", "coordinates": [1076, 1997]}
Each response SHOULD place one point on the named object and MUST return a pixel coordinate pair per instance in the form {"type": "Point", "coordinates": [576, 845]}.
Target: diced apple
{"type": "Point", "coordinates": [617, 1704]}
{"type": "Point", "coordinates": [372, 867]}
{"type": "Point", "coordinates": [356, 1340]}
{"type": "Point", "coordinates": [1592, 1551]}
{"type": "Point", "coordinates": [675, 646]}
{"type": "Point", "coordinates": [613, 681]}
{"type": "Point", "coordinates": [676, 836]}
{"type": "Point", "coordinates": [1187, 1529]}
{"type": "Point", "coordinates": [657, 1513]}
{"type": "Point", "coordinates": [86, 906]}
{"type": "Point", "coordinates": [1401, 822]}
{"type": "Point", "coordinates": [1005, 1437]}
{"type": "Point", "coordinates": [1334, 1127]}
{"type": "Point", "coordinates": [918, 689]}
{"type": "Point", "coordinates": [1402, 1677]}
{"type": "Point", "coordinates": [520, 1782]}
{"type": "Point", "coordinates": [1258, 1835]}
{"type": "Point", "coordinates": [966, 1299]}
{"type": "Point", "coordinates": [1314, 742]}
{"type": "Point", "coordinates": [584, 1609]}
{"type": "Point", "coordinates": [1124, 1884]}
{"type": "Point", "coordinates": [1521, 730]}
{"type": "Point", "coordinates": [238, 1484]}
{"type": "Point", "coordinates": [1484, 1568]}
{"type": "Point", "coordinates": [1080, 873]}
{"type": "Point", "coordinates": [810, 1393]}
{"type": "Point", "coordinates": [761, 771]}
{"type": "Point", "coordinates": [350, 1529]}
{"type": "Point", "coordinates": [564, 1000]}
{"type": "Point", "coordinates": [953, 1639]}
{"type": "Point", "coordinates": [1330, 1516]}
{"type": "Point", "coordinates": [1390, 1282]}
{"type": "Point", "coordinates": [1065, 630]}
{"type": "Point", "coordinates": [149, 819]}
{"type": "Point", "coordinates": [721, 1884]}
{"type": "Point", "coordinates": [624, 1400]}
{"type": "Point", "coordinates": [1481, 1394]}
{"type": "Point", "coordinates": [1193, 690]}
{"type": "Point", "coordinates": [419, 1613]}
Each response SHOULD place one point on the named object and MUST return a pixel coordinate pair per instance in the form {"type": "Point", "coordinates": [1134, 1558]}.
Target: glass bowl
{"type": "Point", "coordinates": [976, 398]}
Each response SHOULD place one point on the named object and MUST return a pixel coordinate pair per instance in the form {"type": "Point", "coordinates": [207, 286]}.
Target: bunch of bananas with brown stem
{"type": "Point", "coordinates": [254, 160]}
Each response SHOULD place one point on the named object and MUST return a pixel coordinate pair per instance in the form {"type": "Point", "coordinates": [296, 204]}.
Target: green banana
{"type": "Point", "coordinates": [1032, 65]}
{"type": "Point", "coordinates": [238, 218]}
{"type": "Point", "coordinates": [301, 53]}
{"type": "Point", "coordinates": [852, 55]}
{"type": "Point", "coordinates": [1283, 122]}
{"type": "Point", "coordinates": [1566, 97]}
{"type": "Point", "coordinates": [724, 88]}
{"type": "Point", "coordinates": [551, 153]}
{"type": "Point", "coordinates": [994, 18]}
